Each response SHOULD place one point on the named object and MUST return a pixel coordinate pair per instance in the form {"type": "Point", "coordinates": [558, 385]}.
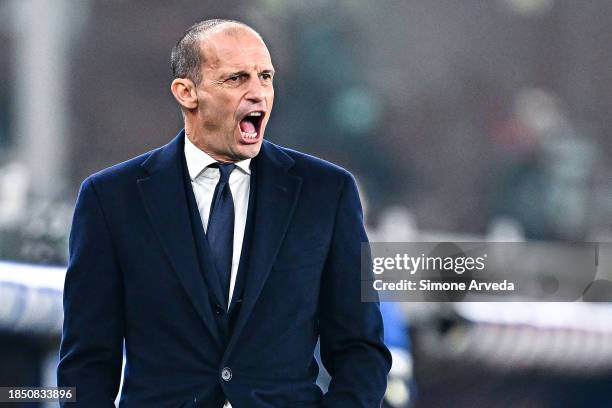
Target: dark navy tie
{"type": "Point", "coordinates": [220, 232]}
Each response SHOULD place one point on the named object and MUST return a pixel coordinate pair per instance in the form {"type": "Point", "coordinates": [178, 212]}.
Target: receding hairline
{"type": "Point", "coordinates": [188, 54]}
{"type": "Point", "coordinates": [230, 28]}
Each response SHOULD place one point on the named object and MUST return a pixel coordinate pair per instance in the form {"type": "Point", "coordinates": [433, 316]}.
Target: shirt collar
{"type": "Point", "coordinates": [198, 160]}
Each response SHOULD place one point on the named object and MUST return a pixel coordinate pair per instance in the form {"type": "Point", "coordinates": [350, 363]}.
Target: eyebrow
{"type": "Point", "coordinates": [237, 73]}
{"type": "Point", "coordinates": [242, 72]}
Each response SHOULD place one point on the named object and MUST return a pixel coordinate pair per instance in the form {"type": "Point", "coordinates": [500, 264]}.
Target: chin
{"type": "Point", "coordinates": [247, 152]}
{"type": "Point", "coordinates": [252, 151]}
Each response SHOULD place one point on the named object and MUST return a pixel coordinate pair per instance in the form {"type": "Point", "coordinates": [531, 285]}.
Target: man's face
{"type": "Point", "coordinates": [235, 96]}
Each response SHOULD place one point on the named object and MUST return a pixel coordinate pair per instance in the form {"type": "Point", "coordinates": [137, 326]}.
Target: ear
{"type": "Point", "coordinates": [184, 91]}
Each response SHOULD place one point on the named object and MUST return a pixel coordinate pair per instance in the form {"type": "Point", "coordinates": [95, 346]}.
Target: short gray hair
{"type": "Point", "coordinates": [186, 58]}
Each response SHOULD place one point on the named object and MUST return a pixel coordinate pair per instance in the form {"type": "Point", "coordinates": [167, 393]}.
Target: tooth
{"type": "Point", "coordinates": [254, 114]}
{"type": "Point", "coordinates": [249, 135]}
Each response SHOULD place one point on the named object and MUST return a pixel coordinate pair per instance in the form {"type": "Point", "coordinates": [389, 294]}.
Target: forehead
{"type": "Point", "coordinates": [239, 48]}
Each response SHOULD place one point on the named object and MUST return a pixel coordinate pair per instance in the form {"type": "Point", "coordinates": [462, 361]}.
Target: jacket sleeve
{"type": "Point", "coordinates": [352, 347]}
{"type": "Point", "coordinates": [91, 351]}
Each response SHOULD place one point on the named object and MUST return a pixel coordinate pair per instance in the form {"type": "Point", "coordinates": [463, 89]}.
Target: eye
{"type": "Point", "coordinates": [266, 76]}
{"type": "Point", "coordinates": [236, 78]}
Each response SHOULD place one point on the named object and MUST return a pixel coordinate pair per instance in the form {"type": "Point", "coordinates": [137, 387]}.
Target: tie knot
{"type": "Point", "coordinates": [225, 169]}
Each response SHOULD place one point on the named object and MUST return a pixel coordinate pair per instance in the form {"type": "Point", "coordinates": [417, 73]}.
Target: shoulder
{"type": "Point", "coordinates": [119, 174]}
{"type": "Point", "coordinates": [310, 167]}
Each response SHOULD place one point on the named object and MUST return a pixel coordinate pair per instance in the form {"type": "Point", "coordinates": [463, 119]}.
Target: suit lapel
{"type": "Point", "coordinates": [164, 198]}
{"type": "Point", "coordinates": [277, 194]}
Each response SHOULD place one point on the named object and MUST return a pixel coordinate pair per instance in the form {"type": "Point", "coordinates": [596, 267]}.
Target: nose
{"type": "Point", "coordinates": [256, 91]}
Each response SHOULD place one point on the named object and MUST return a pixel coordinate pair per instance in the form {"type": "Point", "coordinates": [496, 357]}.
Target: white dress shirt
{"type": "Point", "coordinates": [204, 179]}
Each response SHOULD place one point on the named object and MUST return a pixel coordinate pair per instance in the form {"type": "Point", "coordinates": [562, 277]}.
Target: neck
{"type": "Point", "coordinates": [197, 142]}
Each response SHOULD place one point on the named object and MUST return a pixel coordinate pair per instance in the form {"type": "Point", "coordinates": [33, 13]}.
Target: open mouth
{"type": "Point", "coordinates": [250, 125]}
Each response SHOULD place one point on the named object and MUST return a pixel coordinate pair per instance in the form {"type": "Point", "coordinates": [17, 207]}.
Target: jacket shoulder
{"type": "Point", "coordinates": [128, 170]}
{"type": "Point", "coordinates": [309, 166]}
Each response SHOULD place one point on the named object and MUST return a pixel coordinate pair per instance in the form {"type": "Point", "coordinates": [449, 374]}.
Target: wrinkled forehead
{"type": "Point", "coordinates": [237, 47]}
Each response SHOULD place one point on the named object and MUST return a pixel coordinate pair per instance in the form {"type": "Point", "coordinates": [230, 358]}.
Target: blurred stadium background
{"type": "Point", "coordinates": [472, 120]}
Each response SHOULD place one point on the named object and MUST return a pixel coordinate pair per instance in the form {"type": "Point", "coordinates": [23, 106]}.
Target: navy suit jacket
{"type": "Point", "coordinates": [134, 276]}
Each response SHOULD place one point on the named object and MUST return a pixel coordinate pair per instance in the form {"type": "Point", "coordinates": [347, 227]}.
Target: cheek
{"type": "Point", "coordinates": [209, 110]}
{"type": "Point", "coordinates": [216, 104]}
{"type": "Point", "coordinates": [270, 103]}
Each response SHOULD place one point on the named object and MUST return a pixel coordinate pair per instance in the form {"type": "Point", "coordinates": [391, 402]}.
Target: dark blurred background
{"type": "Point", "coordinates": [461, 120]}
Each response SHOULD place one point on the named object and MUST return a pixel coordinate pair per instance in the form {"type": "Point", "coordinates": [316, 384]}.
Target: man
{"type": "Point", "coordinates": [220, 258]}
